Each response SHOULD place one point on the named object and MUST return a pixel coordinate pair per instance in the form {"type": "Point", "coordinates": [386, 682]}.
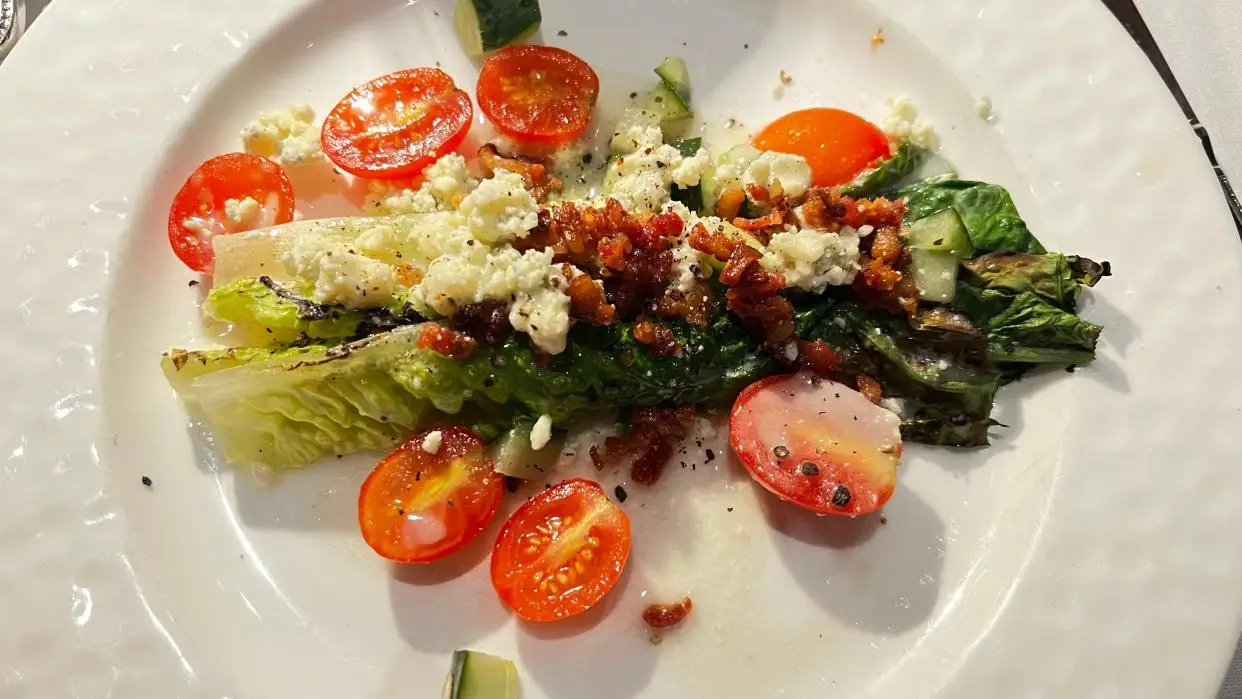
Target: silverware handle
{"type": "Point", "coordinates": [12, 23]}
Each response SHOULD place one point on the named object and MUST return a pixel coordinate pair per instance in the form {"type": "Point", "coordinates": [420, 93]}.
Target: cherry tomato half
{"type": "Point", "coordinates": [561, 552]}
{"type": "Point", "coordinates": [538, 93]}
{"type": "Point", "coordinates": [816, 443]}
{"type": "Point", "coordinates": [837, 144]}
{"type": "Point", "coordinates": [417, 506]}
{"type": "Point", "coordinates": [397, 125]}
{"type": "Point", "coordinates": [198, 211]}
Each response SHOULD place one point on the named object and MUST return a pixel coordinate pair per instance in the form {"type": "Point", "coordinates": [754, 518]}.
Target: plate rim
{"type": "Point", "coordinates": [87, 514]}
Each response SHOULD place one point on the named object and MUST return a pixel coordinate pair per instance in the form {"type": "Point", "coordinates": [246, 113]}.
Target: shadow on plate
{"type": "Point", "coordinates": [888, 586]}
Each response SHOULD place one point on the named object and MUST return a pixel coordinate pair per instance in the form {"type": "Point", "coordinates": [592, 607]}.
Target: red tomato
{"type": "Point", "coordinates": [538, 93]}
{"type": "Point", "coordinates": [197, 214]}
{"type": "Point", "coordinates": [836, 143]}
{"type": "Point", "coordinates": [397, 125]}
{"type": "Point", "coordinates": [561, 552]}
{"type": "Point", "coordinates": [816, 443]}
{"type": "Point", "coordinates": [417, 506]}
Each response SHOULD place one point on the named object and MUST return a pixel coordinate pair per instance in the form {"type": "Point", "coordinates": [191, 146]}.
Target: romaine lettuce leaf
{"type": "Point", "coordinates": [889, 174]}
{"type": "Point", "coordinates": [1033, 331]}
{"type": "Point", "coordinates": [265, 313]}
{"type": "Point", "coordinates": [991, 219]}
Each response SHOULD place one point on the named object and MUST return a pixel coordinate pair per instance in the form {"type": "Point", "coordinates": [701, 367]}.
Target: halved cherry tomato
{"type": "Point", "coordinates": [397, 125]}
{"type": "Point", "coordinates": [816, 443]}
{"type": "Point", "coordinates": [538, 93]}
{"type": "Point", "coordinates": [417, 506]}
{"type": "Point", "coordinates": [561, 552]}
{"type": "Point", "coordinates": [837, 144]}
{"type": "Point", "coordinates": [198, 211]}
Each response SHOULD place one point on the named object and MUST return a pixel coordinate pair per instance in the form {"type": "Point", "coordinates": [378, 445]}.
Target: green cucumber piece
{"type": "Point", "coordinates": [942, 232]}
{"type": "Point", "coordinates": [935, 274]}
{"type": "Point", "coordinates": [512, 454]}
{"type": "Point", "coordinates": [674, 73]}
{"type": "Point", "coordinates": [688, 147]}
{"type": "Point", "coordinates": [487, 25]}
{"type": "Point", "coordinates": [666, 103]}
{"type": "Point", "coordinates": [475, 675]}
{"type": "Point", "coordinates": [630, 118]}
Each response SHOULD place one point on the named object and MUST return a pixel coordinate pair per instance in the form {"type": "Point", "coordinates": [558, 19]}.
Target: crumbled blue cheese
{"type": "Point", "coordinates": [689, 171]}
{"type": "Point", "coordinates": [813, 260]}
{"type": "Point", "coordinates": [338, 274]}
{"type": "Point", "coordinates": [792, 171]}
{"type": "Point", "coordinates": [288, 136]}
{"type": "Point", "coordinates": [895, 406]}
{"type": "Point", "coordinates": [541, 433]}
{"type": "Point", "coordinates": [530, 282]}
{"type": "Point", "coordinates": [433, 440]}
{"type": "Point", "coordinates": [242, 211]}
{"type": "Point", "coordinates": [642, 175]}
{"type": "Point", "coordinates": [639, 131]}
{"type": "Point", "coordinates": [443, 181]}
{"type": "Point", "coordinates": [500, 209]}
{"type": "Point", "coordinates": [689, 266]}
{"type": "Point", "coordinates": [415, 240]}
{"type": "Point", "coordinates": [903, 123]}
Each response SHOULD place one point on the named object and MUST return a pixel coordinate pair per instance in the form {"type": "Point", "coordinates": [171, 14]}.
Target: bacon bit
{"type": "Point", "coordinates": [774, 316]}
{"type": "Point", "coordinates": [657, 337]}
{"type": "Point", "coordinates": [760, 194]}
{"type": "Point", "coordinates": [777, 192]}
{"type": "Point", "coordinates": [658, 229]}
{"type": "Point", "coordinates": [486, 322]}
{"type": "Point", "coordinates": [586, 299]}
{"type": "Point", "coordinates": [718, 245]}
{"type": "Point", "coordinates": [886, 245]}
{"type": "Point", "coordinates": [614, 251]}
{"type": "Point", "coordinates": [538, 180]}
{"type": "Point", "coordinates": [818, 356]}
{"type": "Point", "coordinates": [697, 305]}
{"type": "Point", "coordinates": [737, 264]}
{"type": "Point", "coordinates": [729, 203]}
{"type": "Point", "coordinates": [651, 440]}
{"type": "Point", "coordinates": [445, 341]}
{"type": "Point", "coordinates": [409, 275]}
{"type": "Point", "coordinates": [769, 220]}
{"type": "Point", "coordinates": [879, 276]}
{"type": "Point", "coordinates": [666, 616]}
{"type": "Point", "coordinates": [870, 388]}
{"type": "Point", "coordinates": [877, 213]}
{"type": "Point", "coordinates": [596, 458]}
{"type": "Point", "coordinates": [641, 283]}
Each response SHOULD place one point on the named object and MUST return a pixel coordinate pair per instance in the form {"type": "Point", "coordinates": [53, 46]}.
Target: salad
{"type": "Point", "coordinates": [829, 287]}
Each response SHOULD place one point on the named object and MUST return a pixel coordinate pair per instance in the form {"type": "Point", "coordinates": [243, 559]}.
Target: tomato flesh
{"type": "Point", "coordinates": [818, 444]}
{"type": "Point", "coordinates": [417, 506]}
{"type": "Point", "coordinates": [198, 213]}
{"type": "Point", "coordinates": [837, 144]}
{"type": "Point", "coordinates": [538, 93]}
{"type": "Point", "coordinates": [398, 124]}
{"type": "Point", "coordinates": [561, 552]}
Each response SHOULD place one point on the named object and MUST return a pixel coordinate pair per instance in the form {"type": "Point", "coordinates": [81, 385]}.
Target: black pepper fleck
{"type": "Point", "coordinates": [781, 451]}
{"type": "Point", "coordinates": [883, 518]}
{"type": "Point", "coordinates": [512, 484]}
{"type": "Point", "coordinates": [146, 480]}
{"type": "Point", "coordinates": [1072, 368]}
{"type": "Point", "coordinates": [620, 493]}
{"type": "Point", "coordinates": [730, 509]}
{"type": "Point", "coordinates": [711, 455]}
{"type": "Point", "coordinates": [562, 33]}
{"type": "Point", "coordinates": [841, 496]}
{"type": "Point", "coordinates": [809, 469]}
{"type": "Point", "coordinates": [193, 283]}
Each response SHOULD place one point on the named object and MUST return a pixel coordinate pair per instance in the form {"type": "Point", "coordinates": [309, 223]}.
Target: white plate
{"type": "Point", "coordinates": [1092, 552]}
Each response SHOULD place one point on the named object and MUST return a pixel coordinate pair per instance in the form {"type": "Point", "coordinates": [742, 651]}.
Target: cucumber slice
{"type": "Point", "coordinates": [666, 103]}
{"type": "Point", "coordinates": [475, 675]}
{"type": "Point", "coordinates": [487, 25]}
{"type": "Point", "coordinates": [688, 147]}
{"type": "Point", "coordinates": [935, 274]}
{"type": "Point", "coordinates": [674, 73]}
{"type": "Point", "coordinates": [512, 454]}
{"type": "Point", "coordinates": [632, 117]}
{"type": "Point", "coordinates": [942, 232]}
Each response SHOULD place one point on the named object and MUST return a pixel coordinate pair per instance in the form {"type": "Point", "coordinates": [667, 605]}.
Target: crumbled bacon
{"type": "Point", "coordinates": [826, 209]}
{"type": "Point", "coordinates": [666, 616]}
{"type": "Point", "coordinates": [697, 305]}
{"type": "Point", "coordinates": [818, 356]}
{"type": "Point", "coordinates": [886, 245]}
{"type": "Point", "coordinates": [538, 179]}
{"type": "Point", "coordinates": [714, 243]}
{"type": "Point", "coordinates": [640, 282]}
{"type": "Point", "coordinates": [586, 299]}
{"type": "Point", "coordinates": [650, 441]}
{"type": "Point", "coordinates": [446, 341]}
{"type": "Point", "coordinates": [486, 322]}
{"type": "Point", "coordinates": [874, 274]}
{"type": "Point", "coordinates": [760, 194]}
{"type": "Point", "coordinates": [869, 387]}
{"type": "Point", "coordinates": [657, 337]}
{"type": "Point", "coordinates": [771, 219]}
{"type": "Point", "coordinates": [755, 293]}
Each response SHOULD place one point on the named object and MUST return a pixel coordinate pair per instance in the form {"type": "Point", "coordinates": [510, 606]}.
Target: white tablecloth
{"type": "Point", "coordinates": [1202, 40]}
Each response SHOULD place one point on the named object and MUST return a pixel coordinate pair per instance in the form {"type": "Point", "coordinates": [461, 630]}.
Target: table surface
{"type": "Point", "coordinates": [1202, 41]}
